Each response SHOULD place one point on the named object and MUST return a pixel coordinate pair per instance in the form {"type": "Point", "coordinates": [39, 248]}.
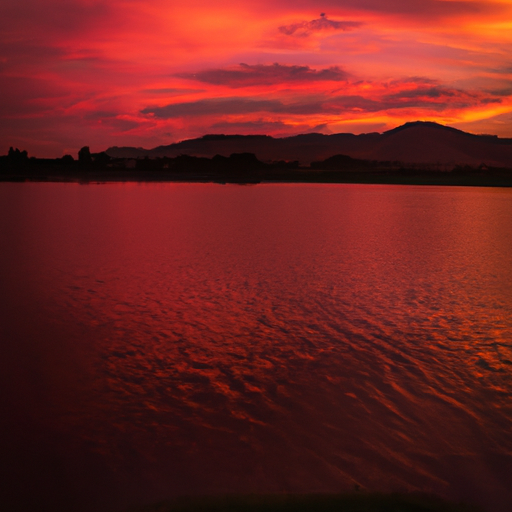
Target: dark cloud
{"type": "Point", "coordinates": [503, 92]}
{"type": "Point", "coordinates": [306, 28]}
{"type": "Point", "coordinates": [418, 80]}
{"type": "Point", "coordinates": [227, 106]}
{"type": "Point", "coordinates": [433, 97]}
{"type": "Point", "coordinates": [437, 98]}
{"type": "Point", "coordinates": [426, 92]}
{"type": "Point", "coordinates": [246, 75]}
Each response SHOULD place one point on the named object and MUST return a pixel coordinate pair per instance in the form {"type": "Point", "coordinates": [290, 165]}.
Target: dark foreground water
{"type": "Point", "coordinates": [171, 339]}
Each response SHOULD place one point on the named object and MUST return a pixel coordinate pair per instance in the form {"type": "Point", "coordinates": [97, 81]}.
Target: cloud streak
{"type": "Point", "coordinates": [246, 75]}
{"type": "Point", "coordinates": [229, 106]}
{"type": "Point", "coordinates": [428, 97]}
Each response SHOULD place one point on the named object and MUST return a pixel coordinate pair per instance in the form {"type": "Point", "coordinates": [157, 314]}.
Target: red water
{"type": "Point", "coordinates": [171, 339]}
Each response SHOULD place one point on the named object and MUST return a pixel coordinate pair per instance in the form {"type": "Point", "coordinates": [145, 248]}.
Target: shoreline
{"type": "Point", "coordinates": [246, 168]}
{"type": "Point", "coordinates": [435, 178]}
{"type": "Point", "coordinates": [356, 501]}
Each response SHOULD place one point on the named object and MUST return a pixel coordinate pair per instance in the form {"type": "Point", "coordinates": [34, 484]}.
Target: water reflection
{"type": "Point", "coordinates": [170, 339]}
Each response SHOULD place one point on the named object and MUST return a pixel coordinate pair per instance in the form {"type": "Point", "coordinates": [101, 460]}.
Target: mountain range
{"type": "Point", "coordinates": [418, 142]}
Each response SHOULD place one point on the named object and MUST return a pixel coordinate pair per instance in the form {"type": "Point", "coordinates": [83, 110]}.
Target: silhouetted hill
{"type": "Point", "coordinates": [423, 124]}
{"type": "Point", "coordinates": [412, 143]}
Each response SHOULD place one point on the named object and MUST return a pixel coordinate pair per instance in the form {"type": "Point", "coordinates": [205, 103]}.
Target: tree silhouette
{"type": "Point", "coordinates": [16, 156]}
{"type": "Point", "coordinates": [84, 155]}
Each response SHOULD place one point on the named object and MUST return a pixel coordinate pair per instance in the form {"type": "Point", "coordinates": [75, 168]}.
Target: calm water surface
{"type": "Point", "coordinates": [170, 339]}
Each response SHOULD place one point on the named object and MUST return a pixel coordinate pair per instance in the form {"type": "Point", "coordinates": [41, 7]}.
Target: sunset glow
{"type": "Point", "coordinates": [124, 72]}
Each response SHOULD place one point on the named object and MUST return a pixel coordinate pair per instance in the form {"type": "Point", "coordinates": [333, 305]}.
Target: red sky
{"type": "Point", "coordinates": [152, 72]}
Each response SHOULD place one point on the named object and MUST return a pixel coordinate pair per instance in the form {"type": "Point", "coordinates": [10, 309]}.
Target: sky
{"type": "Point", "coordinates": [146, 73]}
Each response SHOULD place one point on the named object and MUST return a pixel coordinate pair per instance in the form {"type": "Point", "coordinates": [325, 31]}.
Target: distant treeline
{"type": "Point", "coordinates": [238, 168]}
{"type": "Point", "coordinates": [17, 160]}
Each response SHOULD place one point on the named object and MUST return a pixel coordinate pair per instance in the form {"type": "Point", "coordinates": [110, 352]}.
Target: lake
{"type": "Point", "coordinates": [160, 340]}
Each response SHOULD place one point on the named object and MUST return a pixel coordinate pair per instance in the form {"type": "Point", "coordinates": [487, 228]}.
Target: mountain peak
{"type": "Point", "coordinates": [423, 124]}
